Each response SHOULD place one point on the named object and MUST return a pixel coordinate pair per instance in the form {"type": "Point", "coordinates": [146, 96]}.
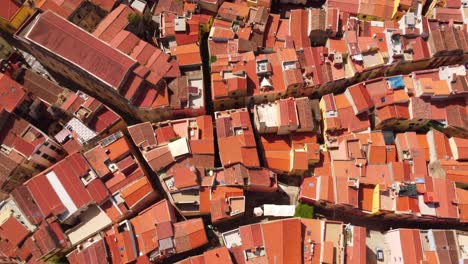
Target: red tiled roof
{"type": "Point", "coordinates": [187, 54]}
{"type": "Point", "coordinates": [49, 237]}
{"type": "Point", "coordinates": [117, 149]}
{"type": "Point", "coordinates": [446, 193]}
{"type": "Point", "coordinates": [113, 23]}
{"type": "Point", "coordinates": [407, 204]}
{"type": "Point", "coordinates": [246, 151]}
{"type": "Point", "coordinates": [287, 111]}
{"type": "Point", "coordinates": [447, 14]}
{"type": "Point", "coordinates": [23, 146]}
{"type": "Point", "coordinates": [189, 234]}
{"type": "Point", "coordinates": [75, 45]}
{"type": "Point", "coordinates": [356, 254]}
{"type": "Point", "coordinates": [309, 189]}
{"type": "Point", "coordinates": [354, 123]}
{"type": "Point", "coordinates": [23, 199]}
{"type": "Point", "coordinates": [97, 190]}
{"type": "Point", "coordinates": [359, 97]}
{"type": "Point", "coordinates": [411, 245]}
{"type": "Point", "coordinates": [462, 196]}
{"type": "Point", "coordinates": [125, 245]}
{"type": "Point", "coordinates": [105, 4]}
{"type": "Point", "coordinates": [143, 134]}
{"type": "Point", "coordinates": [379, 8]}
{"type": "Point", "coordinates": [63, 8]}
{"type": "Point", "coordinates": [45, 196]}
{"type": "Point", "coordinates": [217, 255]}
{"type": "Point", "coordinates": [218, 209]}
{"type": "Point", "coordinates": [230, 11]}
{"type": "Point", "coordinates": [124, 41]}
{"type": "Point", "coordinates": [159, 158]}
{"type": "Point", "coordinates": [9, 9]}
{"type": "Point", "coordinates": [283, 240]}
{"type": "Point", "coordinates": [165, 134]}
{"type": "Point", "coordinates": [169, 6]}
{"type": "Point", "coordinates": [419, 47]}
{"type": "Point", "coordinates": [13, 231]}
{"type": "Point", "coordinates": [299, 21]}
{"type": "Point", "coordinates": [11, 93]}
{"type": "Point", "coordinates": [68, 173]}
{"type": "Point", "coordinates": [349, 6]}
{"type": "Point", "coordinates": [95, 253]}
{"type": "Point", "coordinates": [185, 177]}
{"type": "Point", "coordinates": [96, 158]}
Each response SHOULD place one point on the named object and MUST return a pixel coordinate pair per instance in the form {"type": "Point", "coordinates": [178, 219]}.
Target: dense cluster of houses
{"type": "Point", "coordinates": [130, 131]}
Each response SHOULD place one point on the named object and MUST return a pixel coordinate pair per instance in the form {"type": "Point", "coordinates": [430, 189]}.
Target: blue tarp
{"type": "Point", "coordinates": [396, 82]}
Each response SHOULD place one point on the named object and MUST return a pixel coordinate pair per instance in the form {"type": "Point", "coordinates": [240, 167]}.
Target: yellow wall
{"type": "Point", "coordinates": [17, 20]}
{"type": "Point", "coordinates": [205, 28]}
{"type": "Point", "coordinates": [376, 200]}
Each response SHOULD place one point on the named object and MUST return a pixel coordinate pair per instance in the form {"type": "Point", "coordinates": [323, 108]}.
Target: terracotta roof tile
{"type": "Point", "coordinates": [11, 93]}
{"type": "Point", "coordinates": [359, 98]}
{"type": "Point", "coordinates": [217, 255]}
{"type": "Point", "coordinates": [67, 40]}
{"type": "Point", "coordinates": [189, 234]}
{"type": "Point", "coordinates": [185, 177]}
{"type": "Point", "coordinates": [169, 6]}
{"type": "Point", "coordinates": [382, 9]}
{"type": "Point", "coordinates": [411, 245]}
{"type": "Point", "coordinates": [349, 6]}
{"type": "Point", "coordinates": [137, 192]}
{"type": "Point", "coordinates": [282, 240]}
{"type": "Point", "coordinates": [97, 190]}
{"type": "Point", "coordinates": [93, 254]}
{"type": "Point", "coordinates": [13, 231]}
{"type": "Point", "coordinates": [113, 23]}
{"type": "Point", "coordinates": [124, 41]}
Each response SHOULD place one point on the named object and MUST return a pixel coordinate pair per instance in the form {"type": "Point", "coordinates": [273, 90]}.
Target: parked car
{"type": "Point", "coordinates": [379, 254]}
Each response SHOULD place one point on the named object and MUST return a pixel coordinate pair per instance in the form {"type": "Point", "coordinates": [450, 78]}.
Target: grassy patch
{"type": "Point", "coordinates": [304, 210]}
{"type": "Point", "coordinates": [213, 59]}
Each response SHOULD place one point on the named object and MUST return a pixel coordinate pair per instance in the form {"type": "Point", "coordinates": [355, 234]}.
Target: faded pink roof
{"type": "Point", "coordinates": [77, 46]}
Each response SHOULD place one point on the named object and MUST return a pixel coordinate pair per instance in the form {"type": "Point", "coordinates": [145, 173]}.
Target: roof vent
{"type": "Point", "coordinates": [113, 167]}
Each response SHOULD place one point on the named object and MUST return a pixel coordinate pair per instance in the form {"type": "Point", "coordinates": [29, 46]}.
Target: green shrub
{"type": "Point", "coordinates": [304, 210]}
{"type": "Point", "coordinates": [134, 18]}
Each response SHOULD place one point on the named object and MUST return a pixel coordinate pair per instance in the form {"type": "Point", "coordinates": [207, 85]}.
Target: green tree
{"type": "Point", "coordinates": [134, 18]}
{"type": "Point", "coordinates": [304, 210]}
